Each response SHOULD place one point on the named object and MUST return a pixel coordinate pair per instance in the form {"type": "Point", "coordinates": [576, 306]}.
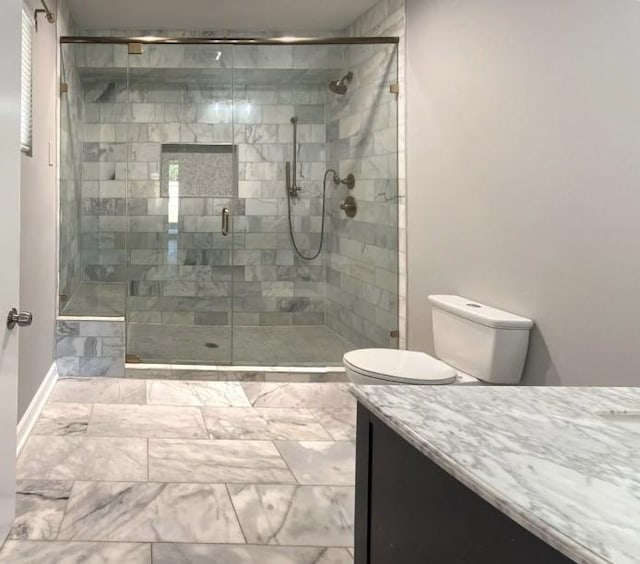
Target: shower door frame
{"type": "Point", "coordinates": [153, 40]}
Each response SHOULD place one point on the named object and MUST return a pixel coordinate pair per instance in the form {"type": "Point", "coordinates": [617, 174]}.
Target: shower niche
{"type": "Point", "coordinates": [174, 203]}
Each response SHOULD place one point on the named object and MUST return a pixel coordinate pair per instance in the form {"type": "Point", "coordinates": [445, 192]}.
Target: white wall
{"type": "Point", "coordinates": [524, 174]}
{"type": "Point", "coordinates": [38, 278]}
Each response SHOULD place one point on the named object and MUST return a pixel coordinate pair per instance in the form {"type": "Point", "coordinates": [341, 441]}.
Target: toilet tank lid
{"type": "Point", "coordinates": [480, 313]}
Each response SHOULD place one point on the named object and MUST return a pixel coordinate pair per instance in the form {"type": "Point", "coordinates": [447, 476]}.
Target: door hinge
{"type": "Point", "coordinates": [395, 334]}
{"type": "Point", "coordinates": [132, 359]}
{"type": "Point", "coordinates": [64, 88]}
{"type": "Point", "coordinates": [136, 48]}
{"type": "Point", "coordinates": [394, 88]}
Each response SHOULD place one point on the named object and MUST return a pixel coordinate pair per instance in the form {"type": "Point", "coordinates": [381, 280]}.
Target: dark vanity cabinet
{"type": "Point", "coordinates": [410, 511]}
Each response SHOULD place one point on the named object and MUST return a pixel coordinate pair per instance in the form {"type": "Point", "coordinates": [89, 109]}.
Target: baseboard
{"type": "Point", "coordinates": [28, 420]}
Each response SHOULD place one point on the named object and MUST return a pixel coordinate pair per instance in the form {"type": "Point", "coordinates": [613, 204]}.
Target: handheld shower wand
{"type": "Point", "coordinates": [292, 186]}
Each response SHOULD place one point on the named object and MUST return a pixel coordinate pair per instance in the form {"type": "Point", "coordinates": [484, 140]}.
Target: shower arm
{"type": "Point", "coordinates": [49, 15]}
{"type": "Point", "coordinates": [292, 187]}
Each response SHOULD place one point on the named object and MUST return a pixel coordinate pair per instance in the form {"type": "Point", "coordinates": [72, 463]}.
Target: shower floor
{"type": "Point", "coordinates": [268, 345]}
{"type": "Point", "coordinates": [100, 299]}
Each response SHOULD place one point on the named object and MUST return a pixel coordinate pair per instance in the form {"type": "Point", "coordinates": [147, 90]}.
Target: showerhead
{"type": "Point", "coordinates": [340, 86]}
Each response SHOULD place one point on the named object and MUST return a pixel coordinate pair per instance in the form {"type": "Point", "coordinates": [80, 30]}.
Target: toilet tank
{"type": "Point", "coordinates": [485, 342]}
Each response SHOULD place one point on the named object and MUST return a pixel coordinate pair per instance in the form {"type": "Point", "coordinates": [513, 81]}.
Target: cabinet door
{"type": "Point", "coordinates": [413, 512]}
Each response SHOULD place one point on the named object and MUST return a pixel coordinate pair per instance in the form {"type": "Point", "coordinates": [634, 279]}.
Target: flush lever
{"type": "Point", "coordinates": [225, 221]}
{"type": "Point", "coordinates": [21, 319]}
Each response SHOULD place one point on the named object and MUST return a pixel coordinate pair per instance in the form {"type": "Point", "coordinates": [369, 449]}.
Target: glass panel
{"type": "Point", "coordinates": [181, 176]}
{"type": "Point", "coordinates": [362, 139]}
{"type": "Point", "coordinates": [93, 167]}
{"type": "Point", "coordinates": [155, 146]}
{"type": "Point", "coordinates": [338, 290]}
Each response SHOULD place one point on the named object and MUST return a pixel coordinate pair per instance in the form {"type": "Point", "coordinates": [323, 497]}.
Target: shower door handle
{"type": "Point", "coordinates": [225, 221]}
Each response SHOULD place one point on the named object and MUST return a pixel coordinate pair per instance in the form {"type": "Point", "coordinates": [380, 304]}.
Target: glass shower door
{"type": "Point", "coordinates": [279, 315]}
{"type": "Point", "coordinates": [181, 194]}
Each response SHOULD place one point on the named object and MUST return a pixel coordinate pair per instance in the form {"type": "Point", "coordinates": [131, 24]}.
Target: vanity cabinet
{"type": "Point", "coordinates": [411, 511]}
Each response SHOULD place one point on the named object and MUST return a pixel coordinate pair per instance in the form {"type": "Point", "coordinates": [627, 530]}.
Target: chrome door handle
{"type": "Point", "coordinates": [21, 319]}
{"type": "Point", "coordinates": [225, 221]}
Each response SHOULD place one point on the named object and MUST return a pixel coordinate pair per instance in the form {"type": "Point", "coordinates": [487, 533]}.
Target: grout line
{"type": "Point", "coordinates": [295, 477]}
{"type": "Point", "coordinates": [235, 512]}
{"type": "Point", "coordinates": [315, 416]}
{"type": "Point", "coordinates": [64, 511]}
{"type": "Point", "coordinates": [204, 421]}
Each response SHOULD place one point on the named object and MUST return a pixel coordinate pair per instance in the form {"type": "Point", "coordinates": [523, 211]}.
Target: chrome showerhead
{"type": "Point", "coordinates": [340, 86]}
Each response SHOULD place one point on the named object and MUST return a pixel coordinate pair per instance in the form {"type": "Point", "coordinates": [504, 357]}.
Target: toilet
{"type": "Point", "coordinates": [474, 344]}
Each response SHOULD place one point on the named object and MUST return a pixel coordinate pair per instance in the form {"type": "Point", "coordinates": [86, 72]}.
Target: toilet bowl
{"type": "Point", "coordinates": [372, 366]}
{"type": "Point", "coordinates": [393, 366]}
{"type": "Point", "coordinates": [474, 344]}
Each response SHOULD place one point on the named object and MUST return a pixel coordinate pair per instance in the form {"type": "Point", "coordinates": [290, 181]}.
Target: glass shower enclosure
{"type": "Point", "coordinates": [183, 193]}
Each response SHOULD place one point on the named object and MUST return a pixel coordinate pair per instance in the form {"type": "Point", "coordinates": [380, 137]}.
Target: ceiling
{"type": "Point", "coordinates": [293, 16]}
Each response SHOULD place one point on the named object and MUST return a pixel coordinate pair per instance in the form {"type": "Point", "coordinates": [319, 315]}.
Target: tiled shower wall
{"type": "Point", "coordinates": [352, 288]}
{"type": "Point", "coordinates": [124, 131]}
{"type": "Point", "coordinates": [90, 347]}
{"type": "Point", "coordinates": [363, 138]}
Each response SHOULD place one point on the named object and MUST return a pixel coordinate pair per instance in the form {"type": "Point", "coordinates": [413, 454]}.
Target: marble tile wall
{"type": "Point", "coordinates": [125, 204]}
{"type": "Point", "coordinates": [363, 135]}
{"type": "Point", "coordinates": [87, 347]}
{"type": "Point", "coordinates": [167, 97]}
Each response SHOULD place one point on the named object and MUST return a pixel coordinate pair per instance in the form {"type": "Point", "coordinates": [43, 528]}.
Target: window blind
{"type": "Point", "coordinates": [26, 114]}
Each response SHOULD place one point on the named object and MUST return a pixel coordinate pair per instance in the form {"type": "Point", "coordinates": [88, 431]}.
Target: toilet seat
{"type": "Point", "coordinates": [408, 367]}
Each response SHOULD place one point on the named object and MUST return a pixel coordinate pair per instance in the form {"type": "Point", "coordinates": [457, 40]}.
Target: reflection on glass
{"type": "Point", "coordinates": [173, 212]}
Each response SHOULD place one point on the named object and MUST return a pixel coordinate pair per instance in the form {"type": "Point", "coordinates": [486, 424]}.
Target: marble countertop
{"type": "Point", "coordinates": [542, 455]}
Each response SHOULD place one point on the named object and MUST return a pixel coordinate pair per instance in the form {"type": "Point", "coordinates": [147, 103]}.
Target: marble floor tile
{"type": "Point", "coordinates": [247, 554]}
{"type": "Point", "coordinates": [63, 419]}
{"type": "Point", "coordinates": [179, 392]}
{"type": "Point", "coordinates": [340, 423]}
{"type": "Point", "coordinates": [35, 552]}
{"type": "Point", "coordinates": [150, 512]}
{"type": "Point", "coordinates": [295, 515]}
{"type": "Point", "coordinates": [321, 462]}
{"type": "Point", "coordinates": [83, 458]}
{"type": "Point", "coordinates": [173, 460]}
{"type": "Point", "coordinates": [147, 421]}
{"type": "Point", "coordinates": [149, 373]}
{"type": "Point", "coordinates": [99, 390]}
{"type": "Point", "coordinates": [208, 375]}
{"type": "Point", "coordinates": [267, 423]}
{"type": "Point", "coordinates": [40, 505]}
{"type": "Point", "coordinates": [272, 394]}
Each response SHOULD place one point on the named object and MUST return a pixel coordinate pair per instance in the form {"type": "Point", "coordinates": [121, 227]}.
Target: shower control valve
{"type": "Point", "coordinates": [350, 207]}
{"type": "Point", "coordinates": [349, 181]}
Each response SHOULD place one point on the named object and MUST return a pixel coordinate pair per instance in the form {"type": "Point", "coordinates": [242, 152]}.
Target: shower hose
{"type": "Point", "coordinates": [324, 204]}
